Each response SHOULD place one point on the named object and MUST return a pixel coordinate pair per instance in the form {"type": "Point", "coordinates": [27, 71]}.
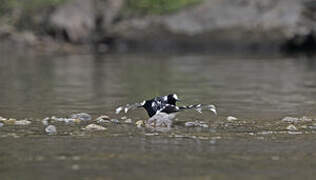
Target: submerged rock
{"type": "Point", "coordinates": [290, 119]}
{"type": "Point", "coordinates": [51, 130]}
{"type": "Point", "coordinates": [22, 122]}
{"type": "Point", "coordinates": [45, 121]}
{"type": "Point", "coordinates": [291, 128]}
{"type": "Point", "coordinates": [139, 123]}
{"type": "Point", "coordinates": [196, 124]}
{"type": "Point", "coordinates": [81, 116]}
{"type": "Point", "coordinates": [115, 121]}
{"type": "Point", "coordinates": [10, 121]}
{"type": "Point", "coordinates": [94, 127]}
{"type": "Point", "coordinates": [128, 120]}
{"type": "Point", "coordinates": [2, 118]}
{"type": "Point", "coordinates": [103, 119]}
{"type": "Point", "coordinates": [161, 120]}
{"type": "Point", "coordinates": [231, 118]}
{"type": "Point", "coordinates": [296, 119]}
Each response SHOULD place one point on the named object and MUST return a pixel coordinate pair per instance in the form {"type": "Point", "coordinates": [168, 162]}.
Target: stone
{"type": "Point", "coordinates": [231, 118]}
{"type": "Point", "coordinates": [128, 120]}
{"type": "Point", "coordinates": [94, 127]}
{"type": "Point", "coordinates": [139, 123]}
{"type": "Point", "coordinates": [115, 121]}
{"type": "Point", "coordinates": [290, 119]}
{"type": "Point", "coordinates": [22, 122]}
{"type": "Point", "coordinates": [291, 128]}
{"type": "Point", "coordinates": [51, 130]}
{"type": "Point", "coordinates": [81, 116]}
{"type": "Point", "coordinates": [103, 119]}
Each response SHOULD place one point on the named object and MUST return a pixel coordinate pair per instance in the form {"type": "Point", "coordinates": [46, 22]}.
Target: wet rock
{"type": "Point", "coordinates": [22, 122]}
{"type": "Point", "coordinates": [10, 121]}
{"type": "Point", "coordinates": [291, 128]}
{"type": "Point", "coordinates": [45, 121]}
{"type": "Point", "coordinates": [213, 141]}
{"type": "Point", "coordinates": [103, 119]}
{"type": "Point", "coordinates": [115, 121]}
{"type": "Point", "coordinates": [75, 167]}
{"type": "Point", "coordinates": [94, 127]}
{"type": "Point", "coordinates": [196, 124]}
{"type": "Point", "coordinates": [295, 132]}
{"type": "Point", "coordinates": [152, 134]}
{"type": "Point", "coordinates": [265, 132]}
{"type": "Point", "coordinates": [139, 123]}
{"type": "Point", "coordinates": [3, 119]}
{"type": "Point", "coordinates": [81, 116]}
{"type": "Point", "coordinates": [128, 120]}
{"type": "Point", "coordinates": [51, 130]}
{"type": "Point", "coordinates": [275, 158]}
{"type": "Point", "coordinates": [290, 119]}
{"type": "Point", "coordinates": [160, 120]}
{"type": "Point", "coordinates": [231, 118]}
{"type": "Point", "coordinates": [306, 119]}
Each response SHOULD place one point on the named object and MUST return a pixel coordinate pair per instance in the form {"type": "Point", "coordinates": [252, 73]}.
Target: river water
{"type": "Point", "coordinates": [259, 90]}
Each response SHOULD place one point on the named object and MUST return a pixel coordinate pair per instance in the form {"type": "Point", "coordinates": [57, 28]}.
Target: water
{"type": "Point", "coordinates": [258, 90]}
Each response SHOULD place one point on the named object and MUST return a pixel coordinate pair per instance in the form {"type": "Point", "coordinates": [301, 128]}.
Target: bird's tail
{"type": "Point", "coordinates": [200, 107]}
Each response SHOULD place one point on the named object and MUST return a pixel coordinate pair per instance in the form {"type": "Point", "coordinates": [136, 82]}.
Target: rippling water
{"type": "Point", "coordinates": [37, 86]}
{"type": "Point", "coordinates": [259, 90]}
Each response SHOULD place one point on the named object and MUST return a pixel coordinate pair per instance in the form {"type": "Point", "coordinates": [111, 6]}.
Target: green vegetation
{"type": "Point", "coordinates": [158, 6]}
{"type": "Point", "coordinates": [25, 13]}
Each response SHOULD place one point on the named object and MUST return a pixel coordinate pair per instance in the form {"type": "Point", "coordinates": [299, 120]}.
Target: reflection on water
{"type": "Point", "coordinates": [38, 86]}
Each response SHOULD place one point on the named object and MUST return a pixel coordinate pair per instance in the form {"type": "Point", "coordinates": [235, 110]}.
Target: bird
{"type": "Point", "coordinates": [164, 104]}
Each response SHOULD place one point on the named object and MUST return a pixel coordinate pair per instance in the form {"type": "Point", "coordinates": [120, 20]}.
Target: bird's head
{"type": "Point", "coordinates": [172, 99]}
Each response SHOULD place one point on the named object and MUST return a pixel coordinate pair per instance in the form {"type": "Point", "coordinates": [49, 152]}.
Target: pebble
{"type": "Point", "coordinates": [139, 123]}
{"type": "Point", "coordinates": [231, 118]}
{"type": "Point", "coordinates": [10, 121]}
{"type": "Point", "coordinates": [290, 119]}
{"type": "Point", "coordinates": [94, 127]}
{"type": "Point", "coordinates": [115, 121]}
{"type": "Point", "coordinates": [213, 141]}
{"type": "Point", "coordinates": [103, 119]}
{"type": "Point", "coordinates": [124, 118]}
{"type": "Point", "coordinates": [2, 118]}
{"type": "Point", "coordinates": [45, 121]}
{"type": "Point", "coordinates": [81, 116]}
{"type": "Point", "coordinates": [128, 120]}
{"type": "Point", "coordinates": [295, 119]}
{"type": "Point", "coordinates": [196, 124]}
{"type": "Point", "coordinates": [1, 124]}
{"type": "Point", "coordinates": [275, 158]}
{"type": "Point", "coordinates": [291, 128]}
{"type": "Point", "coordinates": [51, 130]}
{"type": "Point", "coordinates": [22, 122]}
{"type": "Point", "coordinates": [295, 132]}
{"type": "Point", "coordinates": [151, 134]}
{"type": "Point", "coordinates": [75, 167]}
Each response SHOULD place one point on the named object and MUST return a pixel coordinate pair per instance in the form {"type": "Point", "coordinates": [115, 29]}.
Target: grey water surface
{"type": "Point", "coordinates": [259, 90]}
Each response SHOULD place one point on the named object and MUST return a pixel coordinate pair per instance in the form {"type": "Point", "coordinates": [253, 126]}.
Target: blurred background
{"type": "Point", "coordinates": [159, 25]}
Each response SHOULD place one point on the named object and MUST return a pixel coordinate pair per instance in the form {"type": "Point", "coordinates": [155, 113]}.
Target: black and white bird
{"type": "Point", "coordinates": [164, 104]}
